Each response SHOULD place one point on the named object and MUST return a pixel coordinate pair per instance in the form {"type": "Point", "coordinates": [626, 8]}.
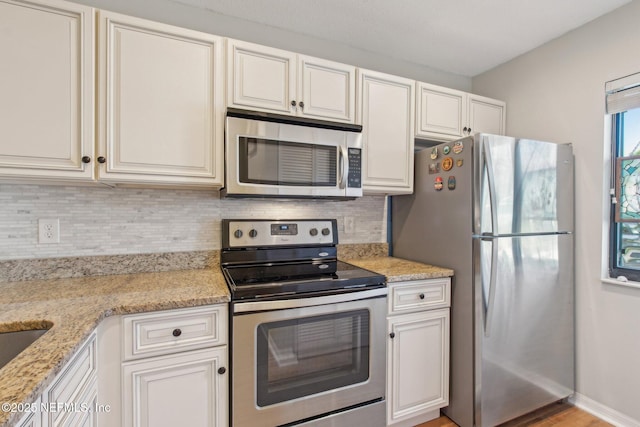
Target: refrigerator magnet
{"type": "Point", "coordinates": [451, 183]}
{"type": "Point", "coordinates": [459, 163]}
{"type": "Point", "coordinates": [446, 149]}
{"type": "Point", "coordinates": [434, 168]}
{"type": "Point", "coordinates": [458, 147]}
{"type": "Point", "coordinates": [434, 153]}
{"type": "Point", "coordinates": [438, 183]}
{"type": "Point", "coordinates": [447, 163]}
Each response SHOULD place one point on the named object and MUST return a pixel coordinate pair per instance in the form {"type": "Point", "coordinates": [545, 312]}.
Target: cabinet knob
{"type": "Point", "coordinates": [101, 159]}
{"type": "Point", "coordinates": [86, 159]}
{"type": "Point", "coordinates": [177, 332]}
{"type": "Point", "coordinates": [464, 129]}
{"type": "Point", "coordinates": [469, 130]}
{"type": "Point", "coordinates": [293, 103]}
{"type": "Point", "coordinates": [421, 296]}
{"type": "Point", "coordinates": [392, 335]}
{"type": "Point", "coordinates": [222, 370]}
{"type": "Point", "coordinates": [301, 104]}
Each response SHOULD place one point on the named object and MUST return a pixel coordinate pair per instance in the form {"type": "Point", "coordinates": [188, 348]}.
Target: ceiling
{"type": "Point", "coordinates": [463, 37]}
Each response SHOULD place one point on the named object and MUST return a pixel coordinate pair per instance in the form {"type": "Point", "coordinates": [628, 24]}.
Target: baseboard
{"type": "Point", "coordinates": [603, 412]}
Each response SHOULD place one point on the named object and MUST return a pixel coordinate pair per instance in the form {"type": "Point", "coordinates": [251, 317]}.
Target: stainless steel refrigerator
{"type": "Point", "coordinates": [499, 212]}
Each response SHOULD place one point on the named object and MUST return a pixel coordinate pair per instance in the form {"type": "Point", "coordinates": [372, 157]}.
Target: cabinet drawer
{"type": "Point", "coordinates": [71, 385]}
{"type": "Point", "coordinates": [165, 332]}
{"type": "Point", "coordinates": [419, 295]}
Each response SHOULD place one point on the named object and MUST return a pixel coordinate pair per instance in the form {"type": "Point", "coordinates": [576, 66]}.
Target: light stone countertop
{"type": "Point", "coordinates": [400, 270]}
{"type": "Point", "coordinates": [73, 308]}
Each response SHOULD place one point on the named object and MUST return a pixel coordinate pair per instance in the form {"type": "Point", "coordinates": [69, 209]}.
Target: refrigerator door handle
{"type": "Point", "coordinates": [491, 294]}
{"type": "Point", "coordinates": [488, 169]}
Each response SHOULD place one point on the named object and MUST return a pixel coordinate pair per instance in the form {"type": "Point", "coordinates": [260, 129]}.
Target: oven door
{"type": "Point", "coordinates": [303, 358]}
{"type": "Point", "coordinates": [286, 160]}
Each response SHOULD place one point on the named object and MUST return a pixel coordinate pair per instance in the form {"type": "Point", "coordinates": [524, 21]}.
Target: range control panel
{"type": "Point", "coordinates": [250, 233]}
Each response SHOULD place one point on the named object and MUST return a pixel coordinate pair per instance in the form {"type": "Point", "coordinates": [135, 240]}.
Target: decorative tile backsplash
{"type": "Point", "coordinates": [107, 221]}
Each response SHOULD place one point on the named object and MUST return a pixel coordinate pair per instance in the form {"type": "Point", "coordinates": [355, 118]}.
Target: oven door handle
{"type": "Point", "coordinates": [253, 306]}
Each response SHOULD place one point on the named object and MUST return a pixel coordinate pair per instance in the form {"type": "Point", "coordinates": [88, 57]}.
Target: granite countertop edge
{"type": "Point", "coordinates": [74, 307]}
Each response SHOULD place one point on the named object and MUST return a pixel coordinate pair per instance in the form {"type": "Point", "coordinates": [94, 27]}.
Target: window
{"type": "Point", "coordinates": [623, 102]}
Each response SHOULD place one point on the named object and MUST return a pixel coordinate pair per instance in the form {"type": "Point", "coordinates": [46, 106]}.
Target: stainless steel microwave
{"type": "Point", "coordinates": [270, 155]}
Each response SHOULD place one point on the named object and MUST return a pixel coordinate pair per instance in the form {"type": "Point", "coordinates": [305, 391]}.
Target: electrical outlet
{"type": "Point", "coordinates": [48, 230]}
{"type": "Point", "coordinates": [349, 224]}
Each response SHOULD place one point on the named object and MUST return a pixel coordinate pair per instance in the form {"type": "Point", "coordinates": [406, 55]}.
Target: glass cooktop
{"type": "Point", "coordinates": [295, 279]}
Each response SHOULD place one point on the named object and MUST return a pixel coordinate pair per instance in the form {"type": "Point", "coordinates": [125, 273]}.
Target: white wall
{"type": "Point", "coordinates": [556, 92]}
{"type": "Point", "coordinates": [204, 20]}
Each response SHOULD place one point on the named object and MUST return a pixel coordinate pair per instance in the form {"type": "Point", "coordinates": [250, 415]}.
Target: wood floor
{"type": "Point", "coordinates": [563, 415]}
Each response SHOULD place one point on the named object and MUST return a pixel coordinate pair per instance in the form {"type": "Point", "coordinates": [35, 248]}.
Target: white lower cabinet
{"type": "Point", "coordinates": [71, 399]}
{"type": "Point", "coordinates": [165, 368]}
{"type": "Point", "coordinates": [417, 351]}
{"type": "Point", "coordinates": [186, 389]}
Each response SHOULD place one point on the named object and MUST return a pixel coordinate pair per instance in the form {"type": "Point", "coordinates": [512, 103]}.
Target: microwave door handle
{"type": "Point", "coordinates": [344, 167]}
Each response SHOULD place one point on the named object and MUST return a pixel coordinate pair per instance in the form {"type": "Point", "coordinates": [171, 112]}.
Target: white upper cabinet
{"type": "Point", "coordinates": [386, 111]}
{"type": "Point", "coordinates": [161, 104]}
{"type": "Point", "coordinates": [273, 80]}
{"type": "Point", "coordinates": [440, 112]}
{"type": "Point", "coordinates": [444, 114]}
{"type": "Point", "coordinates": [486, 115]}
{"type": "Point", "coordinates": [47, 90]}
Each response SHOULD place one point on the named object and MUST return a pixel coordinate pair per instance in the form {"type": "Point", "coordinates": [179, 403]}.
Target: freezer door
{"type": "Point", "coordinates": [522, 186]}
{"type": "Point", "coordinates": [524, 299]}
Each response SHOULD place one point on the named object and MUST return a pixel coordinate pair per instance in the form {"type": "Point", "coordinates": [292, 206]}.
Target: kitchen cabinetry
{"type": "Point", "coordinates": [444, 114]}
{"type": "Point", "coordinates": [173, 368]}
{"type": "Point", "coordinates": [72, 397]}
{"type": "Point", "coordinates": [486, 115]}
{"type": "Point", "coordinates": [386, 111]}
{"type": "Point", "coordinates": [47, 101]}
{"type": "Point", "coordinates": [161, 103]}
{"type": "Point", "coordinates": [418, 350]}
{"type": "Point", "coordinates": [273, 80]}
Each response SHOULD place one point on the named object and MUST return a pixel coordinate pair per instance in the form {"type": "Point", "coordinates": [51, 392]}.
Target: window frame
{"type": "Point", "coordinates": [616, 271]}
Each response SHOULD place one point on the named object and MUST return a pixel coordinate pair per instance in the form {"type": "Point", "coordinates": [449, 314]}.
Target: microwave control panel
{"type": "Point", "coordinates": [354, 180]}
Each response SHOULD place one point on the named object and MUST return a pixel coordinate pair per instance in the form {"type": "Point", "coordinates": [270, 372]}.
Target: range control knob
{"type": "Point", "coordinates": [237, 234]}
{"type": "Point", "coordinates": [253, 233]}
{"type": "Point", "coordinates": [313, 231]}
{"type": "Point", "coordinates": [325, 231]}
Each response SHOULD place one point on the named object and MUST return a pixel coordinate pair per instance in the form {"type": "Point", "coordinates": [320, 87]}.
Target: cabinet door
{"type": "Point", "coordinates": [326, 89]}
{"type": "Point", "coordinates": [418, 365]}
{"type": "Point", "coordinates": [186, 389]}
{"type": "Point", "coordinates": [47, 89]}
{"type": "Point", "coordinates": [162, 112]}
{"type": "Point", "coordinates": [486, 115]}
{"type": "Point", "coordinates": [441, 113]}
{"type": "Point", "coordinates": [75, 385]}
{"type": "Point", "coordinates": [386, 107]}
{"type": "Point", "coordinates": [32, 419]}
{"type": "Point", "coordinates": [260, 77]}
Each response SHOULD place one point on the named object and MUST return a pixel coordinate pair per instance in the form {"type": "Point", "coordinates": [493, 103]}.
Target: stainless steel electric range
{"type": "Point", "coordinates": [308, 331]}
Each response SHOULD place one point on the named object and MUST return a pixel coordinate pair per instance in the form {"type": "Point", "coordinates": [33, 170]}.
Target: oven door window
{"type": "Point", "coordinates": [273, 162]}
{"type": "Point", "coordinates": [300, 357]}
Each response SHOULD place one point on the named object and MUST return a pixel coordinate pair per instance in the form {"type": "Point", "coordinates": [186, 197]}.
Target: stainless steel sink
{"type": "Point", "coordinates": [12, 343]}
